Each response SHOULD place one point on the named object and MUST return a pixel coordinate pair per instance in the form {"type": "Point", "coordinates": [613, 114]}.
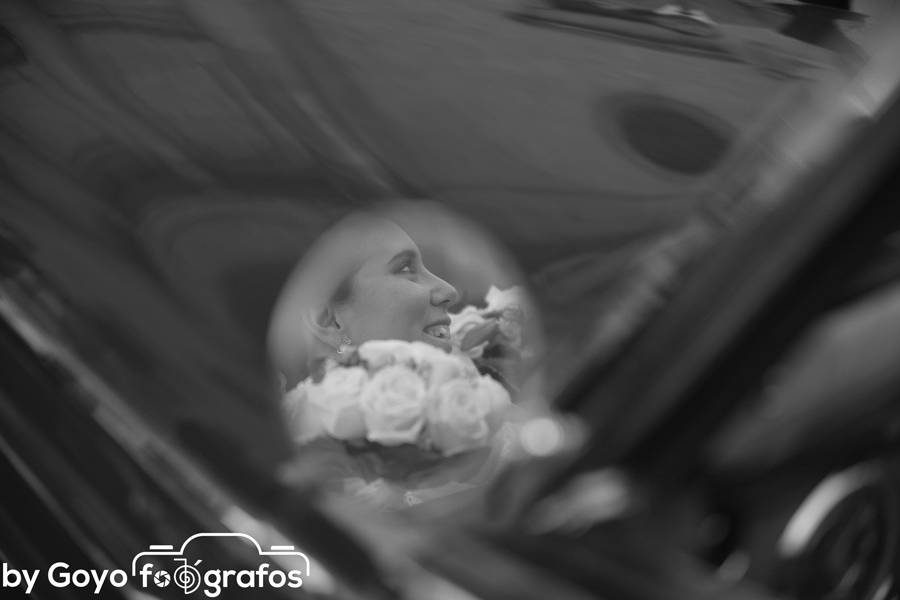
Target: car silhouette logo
{"type": "Point", "coordinates": [186, 575]}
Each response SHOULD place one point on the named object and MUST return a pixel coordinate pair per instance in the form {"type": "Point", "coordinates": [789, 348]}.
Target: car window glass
{"type": "Point", "coordinates": [166, 164]}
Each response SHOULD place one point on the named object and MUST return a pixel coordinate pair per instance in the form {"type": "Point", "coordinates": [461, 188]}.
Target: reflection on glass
{"type": "Point", "coordinates": [407, 364]}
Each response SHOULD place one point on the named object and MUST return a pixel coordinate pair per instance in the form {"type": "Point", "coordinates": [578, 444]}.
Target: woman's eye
{"type": "Point", "coordinates": [407, 268]}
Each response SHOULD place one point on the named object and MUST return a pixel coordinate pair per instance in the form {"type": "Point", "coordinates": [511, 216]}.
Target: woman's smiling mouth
{"type": "Point", "coordinates": [439, 333]}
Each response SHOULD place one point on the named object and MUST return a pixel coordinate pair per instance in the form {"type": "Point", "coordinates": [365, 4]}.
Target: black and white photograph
{"type": "Point", "coordinates": [450, 299]}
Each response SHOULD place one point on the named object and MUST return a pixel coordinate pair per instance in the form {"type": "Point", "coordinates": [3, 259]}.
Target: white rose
{"type": "Point", "coordinates": [381, 353]}
{"type": "Point", "coordinates": [335, 401]}
{"type": "Point", "coordinates": [497, 398]}
{"type": "Point", "coordinates": [511, 328]}
{"type": "Point", "coordinates": [460, 414]}
{"type": "Point", "coordinates": [498, 299]}
{"type": "Point", "coordinates": [393, 405]}
{"type": "Point", "coordinates": [436, 366]}
{"type": "Point", "coordinates": [463, 322]}
{"type": "Point", "coordinates": [303, 423]}
{"type": "Point", "coordinates": [422, 352]}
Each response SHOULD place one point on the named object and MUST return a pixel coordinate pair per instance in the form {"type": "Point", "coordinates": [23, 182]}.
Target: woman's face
{"type": "Point", "coordinates": [393, 295]}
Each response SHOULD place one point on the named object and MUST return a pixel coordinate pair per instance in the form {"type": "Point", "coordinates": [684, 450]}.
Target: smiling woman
{"type": "Point", "coordinates": [365, 280]}
{"type": "Point", "coordinates": [394, 396]}
{"type": "Point", "coordinates": [392, 295]}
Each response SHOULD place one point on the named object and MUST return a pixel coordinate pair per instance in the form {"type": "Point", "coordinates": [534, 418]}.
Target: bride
{"type": "Point", "coordinates": [366, 280]}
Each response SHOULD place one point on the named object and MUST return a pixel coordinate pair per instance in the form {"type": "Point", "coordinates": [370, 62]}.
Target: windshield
{"type": "Point", "coordinates": [165, 165]}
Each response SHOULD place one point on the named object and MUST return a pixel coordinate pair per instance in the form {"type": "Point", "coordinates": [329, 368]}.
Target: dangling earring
{"type": "Point", "coordinates": [345, 342]}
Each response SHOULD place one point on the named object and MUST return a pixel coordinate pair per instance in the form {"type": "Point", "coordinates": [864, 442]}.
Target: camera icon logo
{"type": "Point", "coordinates": [189, 578]}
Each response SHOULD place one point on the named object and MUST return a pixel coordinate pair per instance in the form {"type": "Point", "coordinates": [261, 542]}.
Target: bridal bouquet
{"type": "Point", "coordinates": [493, 334]}
{"type": "Point", "coordinates": [408, 413]}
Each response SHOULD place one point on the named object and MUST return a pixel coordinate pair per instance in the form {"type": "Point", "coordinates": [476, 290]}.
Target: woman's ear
{"type": "Point", "coordinates": [324, 325]}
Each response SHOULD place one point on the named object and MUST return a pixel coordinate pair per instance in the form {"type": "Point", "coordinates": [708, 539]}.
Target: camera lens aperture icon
{"type": "Point", "coordinates": [161, 579]}
{"type": "Point", "coordinates": [187, 577]}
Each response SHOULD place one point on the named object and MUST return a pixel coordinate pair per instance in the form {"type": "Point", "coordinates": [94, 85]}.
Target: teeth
{"type": "Point", "coordinates": [438, 331]}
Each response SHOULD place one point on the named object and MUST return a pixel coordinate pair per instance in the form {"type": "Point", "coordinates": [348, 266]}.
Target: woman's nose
{"type": "Point", "coordinates": [442, 292]}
